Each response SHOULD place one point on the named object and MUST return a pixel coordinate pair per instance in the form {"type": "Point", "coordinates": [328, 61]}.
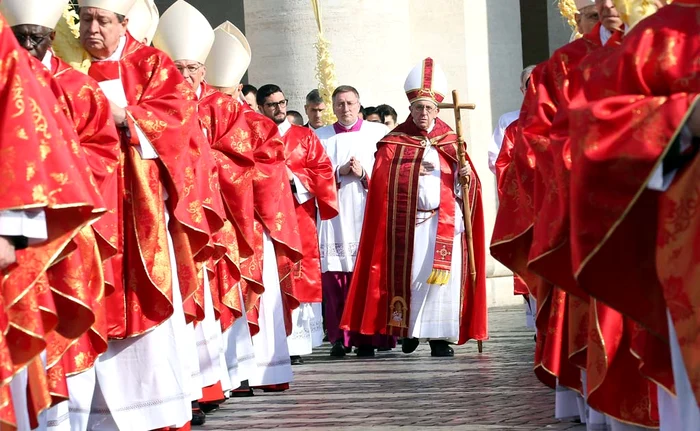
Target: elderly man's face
{"type": "Point", "coordinates": [346, 106]}
{"type": "Point", "coordinates": [587, 19]}
{"type": "Point", "coordinates": [36, 39]}
{"type": "Point", "coordinates": [100, 31]}
{"type": "Point", "coordinates": [314, 111]}
{"type": "Point", "coordinates": [609, 16]}
{"type": "Point", "coordinates": [193, 72]}
{"type": "Point", "coordinates": [424, 113]}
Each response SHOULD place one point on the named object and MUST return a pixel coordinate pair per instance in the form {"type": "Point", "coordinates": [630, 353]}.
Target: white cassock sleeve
{"type": "Point", "coordinates": [495, 148]}
{"type": "Point", "coordinates": [661, 182]}
{"type": "Point", "coordinates": [30, 224]}
{"type": "Point", "coordinates": [302, 195]}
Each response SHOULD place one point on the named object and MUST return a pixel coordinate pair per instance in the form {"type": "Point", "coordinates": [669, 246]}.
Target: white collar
{"type": "Point", "coordinates": [47, 60]}
{"type": "Point", "coordinates": [284, 127]}
{"type": "Point", "coordinates": [350, 126]}
{"type": "Point", "coordinates": [605, 35]}
{"type": "Point", "coordinates": [431, 127]}
{"type": "Point", "coordinates": [198, 92]}
{"type": "Point", "coordinates": [117, 54]}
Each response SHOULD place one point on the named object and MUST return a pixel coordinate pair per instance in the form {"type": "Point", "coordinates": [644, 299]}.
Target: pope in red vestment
{"type": "Point", "coordinates": [413, 248]}
{"type": "Point", "coordinates": [630, 134]}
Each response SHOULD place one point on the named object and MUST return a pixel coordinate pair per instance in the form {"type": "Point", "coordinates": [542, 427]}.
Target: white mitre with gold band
{"type": "Point", "coordinates": [120, 7]}
{"type": "Point", "coordinates": [143, 21]}
{"type": "Point", "coordinates": [229, 57]}
{"type": "Point", "coordinates": [184, 33]}
{"type": "Point", "coordinates": [45, 13]}
{"type": "Point", "coordinates": [427, 81]}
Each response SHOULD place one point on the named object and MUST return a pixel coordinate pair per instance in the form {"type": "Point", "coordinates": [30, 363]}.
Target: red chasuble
{"type": "Point", "coordinates": [78, 280]}
{"type": "Point", "coordinates": [162, 104]}
{"type": "Point", "coordinates": [310, 163]}
{"type": "Point", "coordinates": [512, 232]}
{"type": "Point", "coordinates": [387, 237]}
{"type": "Point", "coordinates": [640, 99]}
{"type": "Point", "coordinates": [41, 169]}
{"type": "Point", "coordinates": [505, 157]}
{"type": "Point", "coordinates": [230, 140]}
{"type": "Point", "coordinates": [274, 213]}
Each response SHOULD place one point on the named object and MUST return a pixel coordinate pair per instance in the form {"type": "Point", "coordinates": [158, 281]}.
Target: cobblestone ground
{"type": "Point", "coordinates": [495, 390]}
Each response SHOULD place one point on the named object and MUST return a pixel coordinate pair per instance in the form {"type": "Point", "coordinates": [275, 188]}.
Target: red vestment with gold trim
{"type": "Point", "coordinates": [387, 236]}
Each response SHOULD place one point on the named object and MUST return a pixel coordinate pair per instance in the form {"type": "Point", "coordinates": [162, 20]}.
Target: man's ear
{"type": "Point", "coordinates": [52, 36]}
{"type": "Point", "coordinates": [125, 25]}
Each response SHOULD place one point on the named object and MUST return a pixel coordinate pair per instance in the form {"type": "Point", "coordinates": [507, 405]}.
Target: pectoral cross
{"type": "Point", "coordinates": [466, 209]}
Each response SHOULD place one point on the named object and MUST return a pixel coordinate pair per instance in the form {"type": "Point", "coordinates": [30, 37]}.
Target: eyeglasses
{"type": "Point", "coordinates": [191, 68]}
{"type": "Point", "coordinates": [344, 104]}
{"type": "Point", "coordinates": [34, 40]}
{"type": "Point", "coordinates": [273, 105]}
{"type": "Point", "coordinates": [427, 108]}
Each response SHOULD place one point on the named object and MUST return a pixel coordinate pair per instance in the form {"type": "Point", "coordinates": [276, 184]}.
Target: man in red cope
{"type": "Point", "coordinates": [78, 277]}
{"type": "Point", "coordinates": [162, 230]}
{"type": "Point", "coordinates": [221, 116]}
{"type": "Point", "coordinates": [641, 124]}
{"type": "Point", "coordinates": [411, 278]}
{"type": "Point", "coordinates": [311, 176]}
{"type": "Point", "coordinates": [525, 244]}
{"type": "Point", "coordinates": [275, 234]}
{"type": "Point", "coordinates": [187, 37]}
{"type": "Point", "coordinates": [38, 160]}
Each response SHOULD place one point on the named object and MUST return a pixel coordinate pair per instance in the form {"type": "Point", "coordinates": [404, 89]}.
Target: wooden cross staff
{"type": "Point", "coordinates": [464, 183]}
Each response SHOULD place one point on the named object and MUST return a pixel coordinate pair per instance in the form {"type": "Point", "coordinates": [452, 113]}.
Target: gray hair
{"type": "Point", "coordinates": [345, 89]}
{"type": "Point", "coordinates": [526, 73]}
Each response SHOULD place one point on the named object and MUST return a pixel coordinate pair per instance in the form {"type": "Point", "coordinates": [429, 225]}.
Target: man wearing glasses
{"type": "Point", "coordinates": [350, 144]}
{"type": "Point", "coordinates": [310, 174]}
{"type": "Point", "coordinates": [411, 277]}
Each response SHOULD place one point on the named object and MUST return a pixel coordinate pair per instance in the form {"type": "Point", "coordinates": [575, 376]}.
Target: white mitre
{"type": "Point", "coordinates": [582, 4]}
{"type": "Point", "coordinates": [229, 57]}
{"type": "Point", "coordinates": [184, 33]}
{"type": "Point", "coordinates": [120, 7]}
{"type": "Point", "coordinates": [427, 81]}
{"type": "Point", "coordinates": [45, 13]}
{"type": "Point", "coordinates": [143, 21]}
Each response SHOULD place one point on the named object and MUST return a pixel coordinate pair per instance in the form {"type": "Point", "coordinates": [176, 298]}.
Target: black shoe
{"type": "Point", "coordinates": [198, 416]}
{"type": "Point", "coordinates": [338, 349]}
{"type": "Point", "coordinates": [243, 391]}
{"type": "Point", "coordinates": [296, 360]}
{"type": "Point", "coordinates": [409, 345]}
{"type": "Point", "coordinates": [365, 352]}
{"type": "Point", "coordinates": [441, 349]}
{"type": "Point", "coordinates": [208, 408]}
{"type": "Point", "coordinates": [384, 349]}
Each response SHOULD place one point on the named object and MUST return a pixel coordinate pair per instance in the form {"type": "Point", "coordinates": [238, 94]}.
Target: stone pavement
{"type": "Point", "coordinates": [495, 390]}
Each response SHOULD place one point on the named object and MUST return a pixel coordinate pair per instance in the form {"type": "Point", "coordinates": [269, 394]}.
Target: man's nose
{"type": "Point", "coordinates": [94, 27]}
{"type": "Point", "coordinates": [27, 44]}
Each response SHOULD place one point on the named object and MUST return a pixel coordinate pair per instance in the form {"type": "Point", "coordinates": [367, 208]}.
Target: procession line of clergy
{"type": "Point", "coordinates": [597, 189]}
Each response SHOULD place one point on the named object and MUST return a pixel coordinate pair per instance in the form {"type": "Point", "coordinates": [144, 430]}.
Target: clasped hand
{"type": "Point", "coordinates": [353, 167]}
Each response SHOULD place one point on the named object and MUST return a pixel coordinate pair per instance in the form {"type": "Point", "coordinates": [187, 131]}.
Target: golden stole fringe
{"type": "Point", "coordinates": [439, 277]}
